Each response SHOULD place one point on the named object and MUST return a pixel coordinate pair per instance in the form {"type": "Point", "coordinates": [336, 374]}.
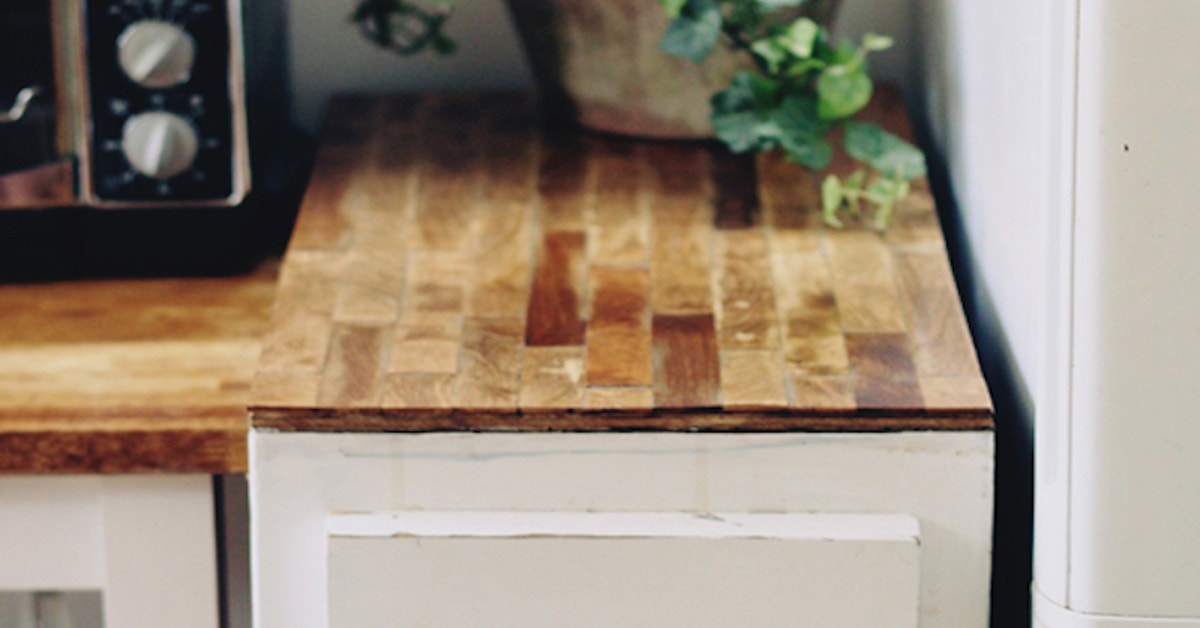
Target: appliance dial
{"type": "Point", "coordinates": [156, 54]}
{"type": "Point", "coordinates": [159, 145]}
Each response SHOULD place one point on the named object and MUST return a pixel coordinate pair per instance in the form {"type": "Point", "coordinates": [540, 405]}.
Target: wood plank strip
{"type": "Point", "coordinates": [753, 380]}
{"type": "Point", "coordinates": [678, 171]}
{"type": "Point", "coordinates": [939, 328]}
{"type": "Point", "coordinates": [790, 195]}
{"type": "Point", "coordinates": [687, 370]}
{"type": "Point", "coordinates": [618, 218]}
{"type": "Point", "coordinates": [370, 287]}
{"type": "Point", "coordinates": [510, 152]}
{"type": "Point", "coordinates": [812, 331]}
{"type": "Point", "coordinates": [489, 375]}
{"type": "Point", "coordinates": [885, 376]}
{"type": "Point", "coordinates": [955, 394]}
{"type": "Point", "coordinates": [418, 391]}
{"type": "Point", "coordinates": [864, 282]}
{"type": "Point", "coordinates": [301, 322]}
{"type": "Point", "coordinates": [555, 312]}
{"type": "Point", "coordinates": [501, 269]}
{"type": "Point", "coordinates": [353, 376]}
{"type": "Point", "coordinates": [735, 190]}
{"type": "Point", "coordinates": [426, 344]}
{"type": "Point", "coordinates": [436, 282]}
{"type": "Point", "coordinates": [821, 393]}
{"type": "Point", "coordinates": [562, 181]}
{"type": "Point", "coordinates": [552, 379]}
{"type": "Point", "coordinates": [285, 389]}
{"type": "Point", "coordinates": [682, 264]}
{"type": "Point", "coordinates": [451, 178]}
{"type": "Point", "coordinates": [319, 223]}
{"type": "Point", "coordinates": [745, 299]}
{"type": "Point", "coordinates": [915, 221]}
{"type": "Point", "coordinates": [619, 334]}
{"type": "Point", "coordinates": [619, 399]}
{"type": "Point", "coordinates": [154, 450]}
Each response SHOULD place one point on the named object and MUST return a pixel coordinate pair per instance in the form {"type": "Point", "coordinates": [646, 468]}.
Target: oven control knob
{"type": "Point", "coordinates": [156, 54]}
{"type": "Point", "coordinates": [159, 145]}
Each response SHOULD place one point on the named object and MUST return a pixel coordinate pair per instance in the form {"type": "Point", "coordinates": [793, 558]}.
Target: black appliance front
{"type": "Point", "coordinates": [126, 150]}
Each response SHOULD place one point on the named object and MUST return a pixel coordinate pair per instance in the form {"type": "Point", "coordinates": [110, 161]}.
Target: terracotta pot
{"type": "Point", "coordinates": [597, 62]}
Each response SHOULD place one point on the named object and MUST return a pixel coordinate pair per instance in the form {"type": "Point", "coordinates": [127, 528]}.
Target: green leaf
{"type": "Point", "coordinates": [842, 93]}
{"type": "Point", "coordinates": [831, 201]}
{"type": "Point", "coordinates": [775, 5]}
{"type": "Point", "coordinates": [801, 68]}
{"type": "Point", "coordinates": [887, 153]}
{"type": "Point", "coordinates": [801, 36]}
{"type": "Point", "coordinates": [881, 191]}
{"type": "Point", "coordinates": [813, 153]}
{"type": "Point", "coordinates": [875, 42]}
{"type": "Point", "coordinates": [771, 51]}
{"type": "Point", "coordinates": [856, 180]}
{"type": "Point", "coordinates": [746, 91]}
{"type": "Point", "coordinates": [745, 130]}
{"type": "Point", "coordinates": [443, 45]}
{"type": "Point", "coordinates": [672, 7]}
{"type": "Point", "coordinates": [693, 34]}
{"type": "Point", "coordinates": [802, 133]}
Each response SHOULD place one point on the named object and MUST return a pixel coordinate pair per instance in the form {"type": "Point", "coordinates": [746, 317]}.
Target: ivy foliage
{"type": "Point", "coordinates": [803, 87]}
{"type": "Point", "coordinates": [406, 26]}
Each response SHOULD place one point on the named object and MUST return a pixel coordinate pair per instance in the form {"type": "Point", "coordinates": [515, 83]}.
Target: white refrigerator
{"type": "Point", "coordinates": [1071, 132]}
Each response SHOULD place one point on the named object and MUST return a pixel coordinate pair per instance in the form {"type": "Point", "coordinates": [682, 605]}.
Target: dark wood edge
{"type": "Point", "coordinates": [316, 420]}
{"type": "Point", "coordinates": [211, 452]}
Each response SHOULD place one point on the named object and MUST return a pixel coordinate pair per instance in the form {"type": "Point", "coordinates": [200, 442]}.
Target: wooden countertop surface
{"type": "Point", "coordinates": [130, 375]}
{"type": "Point", "coordinates": [454, 267]}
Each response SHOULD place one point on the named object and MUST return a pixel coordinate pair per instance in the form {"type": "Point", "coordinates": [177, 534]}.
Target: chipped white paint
{"type": "Point", "coordinates": [944, 480]}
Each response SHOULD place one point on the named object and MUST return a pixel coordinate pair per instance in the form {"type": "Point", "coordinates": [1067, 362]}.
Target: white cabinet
{"type": "Point", "coordinates": [477, 529]}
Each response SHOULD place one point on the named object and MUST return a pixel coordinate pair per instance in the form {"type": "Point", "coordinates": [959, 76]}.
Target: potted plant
{"type": "Point", "coordinates": [759, 75]}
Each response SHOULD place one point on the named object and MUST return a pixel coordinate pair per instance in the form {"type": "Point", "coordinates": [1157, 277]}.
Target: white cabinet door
{"type": "Point", "coordinates": [657, 570]}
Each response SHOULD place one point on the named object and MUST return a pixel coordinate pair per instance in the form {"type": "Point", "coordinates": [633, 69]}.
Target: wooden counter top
{"type": "Point", "coordinates": [455, 268]}
{"type": "Point", "coordinates": [129, 375]}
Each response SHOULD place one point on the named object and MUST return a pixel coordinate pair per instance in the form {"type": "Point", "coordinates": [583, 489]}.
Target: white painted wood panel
{"type": "Point", "coordinates": [623, 569]}
{"type": "Point", "coordinates": [147, 543]}
{"type": "Point", "coordinates": [942, 479]}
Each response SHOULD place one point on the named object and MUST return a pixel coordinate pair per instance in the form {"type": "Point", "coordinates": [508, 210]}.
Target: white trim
{"type": "Point", "coordinates": [1047, 614]}
{"type": "Point", "coordinates": [650, 525]}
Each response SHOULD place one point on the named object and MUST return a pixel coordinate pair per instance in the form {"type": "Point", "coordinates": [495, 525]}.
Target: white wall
{"type": "Point", "coordinates": [328, 55]}
{"type": "Point", "coordinates": [998, 89]}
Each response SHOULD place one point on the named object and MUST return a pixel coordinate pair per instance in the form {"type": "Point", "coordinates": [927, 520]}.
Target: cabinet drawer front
{"type": "Point", "coordinates": [623, 569]}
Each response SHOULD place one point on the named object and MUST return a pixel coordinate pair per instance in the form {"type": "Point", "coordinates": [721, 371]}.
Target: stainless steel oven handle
{"type": "Point", "coordinates": [17, 111]}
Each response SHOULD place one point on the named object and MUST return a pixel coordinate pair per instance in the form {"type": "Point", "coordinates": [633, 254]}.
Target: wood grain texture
{"type": "Point", "coordinates": [353, 375]}
{"type": "Point", "coordinates": [618, 220]}
{"type": "Point", "coordinates": [620, 324]}
{"type": "Point", "coordinates": [492, 274]}
{"type": "Point", "coordinates": [682, 256]}
{"type": "Point", "coordinates": [552, 378]}
{"type": "Point", "coordinates": [752, 380]}
{"type": "Point", "coordinates": [490, 364]}
{"type": "Point", "coordinates": [687, 370]}
{"type": "Point", "coordinates": [555, 313]}
{"type": "Point", "coordinates": [747, 317]}
{"type": "Point", "coordinates": [885, 377]}
{"type": "Point", "coordinates": [562, 181]}
{"type": "Point", "coordinates": [130, 375]}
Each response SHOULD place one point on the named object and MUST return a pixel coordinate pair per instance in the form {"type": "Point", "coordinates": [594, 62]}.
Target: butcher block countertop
{"type": "Point", "coordinates": [456, 267]}
{"type": "Point", "coordinates": [149, 375]}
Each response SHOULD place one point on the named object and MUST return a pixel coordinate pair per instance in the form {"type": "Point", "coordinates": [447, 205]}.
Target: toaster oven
{"type": "Point", "coordinates": [124, 143]}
